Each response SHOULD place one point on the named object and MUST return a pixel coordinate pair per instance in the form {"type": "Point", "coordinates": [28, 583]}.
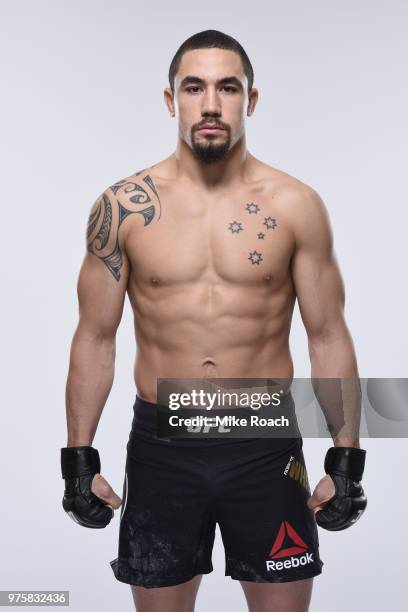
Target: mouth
{"type": "Point", "coordinates": [211, 128]}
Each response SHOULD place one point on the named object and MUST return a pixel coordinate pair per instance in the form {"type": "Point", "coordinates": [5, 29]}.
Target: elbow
{"type": "Point", "coordinates": [100, 338]}
{"type": "Point", "coordinates": [327, 335]}
{"type": "Point", "coordinates": [92, 350]}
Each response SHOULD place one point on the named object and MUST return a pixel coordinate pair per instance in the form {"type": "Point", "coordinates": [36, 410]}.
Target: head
{"type": "Point", "coordinates": [211, 84]}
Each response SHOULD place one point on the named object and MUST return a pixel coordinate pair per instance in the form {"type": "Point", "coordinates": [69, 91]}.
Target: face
{"type": "Point", "coordinates": [211, 100]}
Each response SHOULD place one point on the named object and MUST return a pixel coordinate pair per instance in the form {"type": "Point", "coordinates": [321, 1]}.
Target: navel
{"type": "Point", "coordinates": [209, 369]}
{"type": "Point", "coordinates": [208, 363]}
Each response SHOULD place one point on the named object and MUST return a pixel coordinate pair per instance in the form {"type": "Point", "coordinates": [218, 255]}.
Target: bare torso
{"type": "Point", "coordinates": [209, 276]}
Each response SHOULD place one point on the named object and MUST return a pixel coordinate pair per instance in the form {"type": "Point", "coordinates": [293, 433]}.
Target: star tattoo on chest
{"type": "Point", "coordinates": [270, 223]}
{"type": "Point", "coordinates": [261, 236]}
{"type": "Point", "coordinates": [255, 257]}
{"type": "Point", "coordinates": [235, 227]}
{"type": "Point", "coordinates": [252, 208]}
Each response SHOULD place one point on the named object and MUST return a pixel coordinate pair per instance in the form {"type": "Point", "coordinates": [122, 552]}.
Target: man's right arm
{"type": "Point", "coordinates": [101, 293]}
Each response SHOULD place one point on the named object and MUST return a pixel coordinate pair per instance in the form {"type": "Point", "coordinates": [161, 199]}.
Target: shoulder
{"type": "Point", "coordinates": [282, 186]}
{"type": "Point", "coordinates": [134, 194]}
{"type": "Point", "coordinates": [297, 201]}
{"type": "Point", "coordinates": [298, 206]}
{"type": "Point", "coordinates": [136, 190]}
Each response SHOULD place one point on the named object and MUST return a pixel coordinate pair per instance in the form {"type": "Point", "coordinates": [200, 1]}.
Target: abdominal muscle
{"type": "Point", "coordinates": [195, 332]}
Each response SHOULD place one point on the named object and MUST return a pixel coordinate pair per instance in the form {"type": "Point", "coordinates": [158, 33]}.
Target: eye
{"type": "Point", "coordinates": [193, 89]}
{"type": "Point", "coordinates": [229, 88]}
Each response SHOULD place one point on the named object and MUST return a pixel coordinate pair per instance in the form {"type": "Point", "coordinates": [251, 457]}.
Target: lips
{"type": "Point", "coordinates": [211, 128]}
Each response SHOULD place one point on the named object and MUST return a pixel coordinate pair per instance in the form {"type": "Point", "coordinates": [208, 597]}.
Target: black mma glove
{"type": "Point", "coordinates": [79, 464]}
{"type": "Point", "coordinates": [345, 465]}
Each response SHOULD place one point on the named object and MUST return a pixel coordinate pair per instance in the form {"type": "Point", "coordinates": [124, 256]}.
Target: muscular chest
{"type": "Point", "coordinates": [240, 239]}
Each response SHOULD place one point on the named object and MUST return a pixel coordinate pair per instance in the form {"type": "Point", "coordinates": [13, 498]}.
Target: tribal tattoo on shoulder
{"type": "Point", "coordinates": [122, 199]}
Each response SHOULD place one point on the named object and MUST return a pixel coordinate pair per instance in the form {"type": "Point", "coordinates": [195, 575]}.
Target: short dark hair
{"type": "Point", "coordinates": [206, 40]}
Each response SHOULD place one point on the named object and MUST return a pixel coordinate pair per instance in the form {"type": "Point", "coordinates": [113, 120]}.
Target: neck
{"type": "Point", "coordinates": [215, 175]}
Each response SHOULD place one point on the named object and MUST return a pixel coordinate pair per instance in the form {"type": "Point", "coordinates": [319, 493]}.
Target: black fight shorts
{"type": "Point", "coordinates": [175, 492]}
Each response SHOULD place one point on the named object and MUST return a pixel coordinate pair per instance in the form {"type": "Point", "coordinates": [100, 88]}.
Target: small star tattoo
{"type": "Point", "coordinates": [252, 208]}
{"type": "Point", "coordinates": [255, 257]}
{"type": "Point", "coordinates": [270, 223]}
{"type": "Point", "coordinates": [235, 227]}
{"type": "Point", "coordinates": [261, 236]}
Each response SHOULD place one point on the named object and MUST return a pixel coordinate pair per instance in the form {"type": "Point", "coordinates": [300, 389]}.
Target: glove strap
{"type": "Point", "coordinates": [345, 461]}
{"type": "Point", "coordinates": [79, 461]}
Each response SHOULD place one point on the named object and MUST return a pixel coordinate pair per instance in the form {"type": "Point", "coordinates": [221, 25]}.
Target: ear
{"type": "Point", "coordinates": [253, 96]}
{"type": "Point", "coordinates": [169, 101]}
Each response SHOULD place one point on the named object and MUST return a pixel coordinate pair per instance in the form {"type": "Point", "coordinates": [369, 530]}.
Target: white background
{"type": "Point", "coordinates": [82, 107]}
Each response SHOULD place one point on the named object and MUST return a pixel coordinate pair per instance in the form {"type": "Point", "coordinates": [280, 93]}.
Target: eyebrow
{"type": "Point", "coordinates": [229, 80]}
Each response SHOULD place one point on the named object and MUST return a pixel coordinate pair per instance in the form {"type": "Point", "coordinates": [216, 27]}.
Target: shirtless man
{"type": "Point", "coordinates": [213, 247]}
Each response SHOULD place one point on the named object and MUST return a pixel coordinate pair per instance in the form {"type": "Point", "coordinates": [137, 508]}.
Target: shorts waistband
{"type": "Point", "coordinates": [145, 415]}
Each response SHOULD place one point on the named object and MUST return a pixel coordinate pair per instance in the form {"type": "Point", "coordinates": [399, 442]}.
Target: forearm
{"type": "Point", "coordinates": [332, 355]}
{"type": "Point", "coordinates": [90, 378]}
{"type": "Point", "coordinates": [337, 386]}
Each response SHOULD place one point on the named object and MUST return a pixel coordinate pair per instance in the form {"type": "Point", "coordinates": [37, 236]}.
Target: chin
{"type": "Point", "coordinates": [210, 154]}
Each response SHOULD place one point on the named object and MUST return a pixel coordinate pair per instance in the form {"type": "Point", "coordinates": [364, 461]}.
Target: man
{"type": "Point", "coordinates": [212, 247]}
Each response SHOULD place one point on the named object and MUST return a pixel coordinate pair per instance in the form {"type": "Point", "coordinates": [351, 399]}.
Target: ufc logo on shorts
{"type": "Point", "coordinates": [211, 424]}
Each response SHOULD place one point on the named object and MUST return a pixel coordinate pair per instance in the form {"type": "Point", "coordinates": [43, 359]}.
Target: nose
{"type": "Point", "coordinates": [211, 103]}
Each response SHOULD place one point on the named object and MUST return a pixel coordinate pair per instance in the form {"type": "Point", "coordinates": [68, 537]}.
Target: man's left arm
{"type": "Point", "coordinates": [320, 293]}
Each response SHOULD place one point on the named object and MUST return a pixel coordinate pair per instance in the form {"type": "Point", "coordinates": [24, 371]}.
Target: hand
{"type": "Point", "coordinates": [88, 498]}
{"type": "Point", "coordinates": [323, 492]}
{"type": "Point", "coordinates": [338, 500]}
{"type": "Point", "coordinates": [102, 489]}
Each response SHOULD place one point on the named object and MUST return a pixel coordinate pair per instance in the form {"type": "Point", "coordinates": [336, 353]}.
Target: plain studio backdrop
{"type": "Point", "coordinates": [82, 107]}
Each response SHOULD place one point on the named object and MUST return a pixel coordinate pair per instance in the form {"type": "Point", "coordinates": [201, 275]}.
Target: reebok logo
{"type": "Point", "coordinates": [288, 563]}
{"type": "Point", "coordinates": [286, 470]}
{"type": "Point", "coordinates": [295, 544]}
{"type": "Point", "coordinates": [288, 543]}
